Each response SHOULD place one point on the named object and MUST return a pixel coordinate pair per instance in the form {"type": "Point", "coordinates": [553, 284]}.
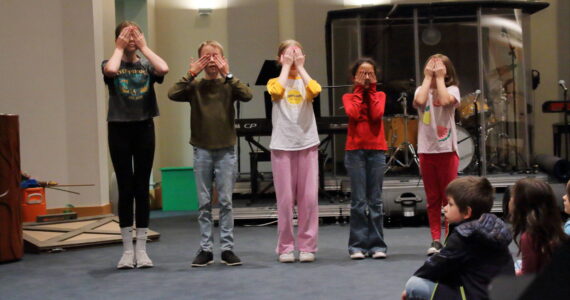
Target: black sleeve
{"type": "Point", "coordinates": [446, 262]}
{"type": "Point", "coordinates": [153, 77]}
{"type": "Point", "coordinates": [108, 80]}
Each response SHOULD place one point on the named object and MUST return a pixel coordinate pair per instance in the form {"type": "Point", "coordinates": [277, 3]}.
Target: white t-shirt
{"type": "Point", "coordinates": [436, 129]}
{"type": "Point", "coordinates": [294, 125]}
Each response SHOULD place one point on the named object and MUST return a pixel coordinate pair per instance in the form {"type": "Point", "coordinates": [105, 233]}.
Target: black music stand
{"type": "Point", "coordinates": [270, 69]}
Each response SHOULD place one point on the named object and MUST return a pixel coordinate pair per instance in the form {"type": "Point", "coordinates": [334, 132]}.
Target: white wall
{"type": "Point", "coordinates": [179, 31]}
{"type": "Point", "coordinates": [49, 73]}
{"type": "Point", "coordinates": [546, 52]}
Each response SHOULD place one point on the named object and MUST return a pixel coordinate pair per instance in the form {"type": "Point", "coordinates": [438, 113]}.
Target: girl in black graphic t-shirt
{"type": "Point", "coordinates": [132, 105]}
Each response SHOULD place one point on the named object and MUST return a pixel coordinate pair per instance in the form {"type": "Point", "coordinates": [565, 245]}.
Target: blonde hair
{"type": "Point", "coordinates": [450, 74]}
{"type": "Point", "coordinates": [212, 43]}
{"type": "Point", "coordinates": [286, 44]}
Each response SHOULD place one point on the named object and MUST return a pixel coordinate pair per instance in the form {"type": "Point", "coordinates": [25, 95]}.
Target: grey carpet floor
{"type": "Point", "coordinates": [90, 273]}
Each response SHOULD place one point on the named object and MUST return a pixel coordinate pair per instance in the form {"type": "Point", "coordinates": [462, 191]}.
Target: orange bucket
{"type": "Point", "coordinates": [33, 203]}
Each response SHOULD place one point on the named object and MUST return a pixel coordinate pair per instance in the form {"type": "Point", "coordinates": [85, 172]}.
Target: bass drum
{"type": "Point", "coordinates": [465, 148]}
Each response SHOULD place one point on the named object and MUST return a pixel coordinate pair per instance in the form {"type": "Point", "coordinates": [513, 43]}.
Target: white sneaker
{"type": "Point", "coordinates": [357, 255]}
{"type": "Point", "coordinates": [142, 259]}
{"type": "Point", "coordinates": [306, 257]}
{"type": "Point", "coordinates": [127, 260]}
{"type": "Point", "coordinates": [379, 255]}
{"type": "Point", "coordinates": [288, 257]}
{"type": "Point", "coordinates": [434, 248]}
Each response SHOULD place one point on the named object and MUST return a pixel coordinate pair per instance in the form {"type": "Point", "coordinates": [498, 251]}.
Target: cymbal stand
{"type": "Point", "coordinates": [405, 146]}
{"type": "Point", "coordinates": [479, 130]}
{"type": "Point", "coordinates": [506, 148]}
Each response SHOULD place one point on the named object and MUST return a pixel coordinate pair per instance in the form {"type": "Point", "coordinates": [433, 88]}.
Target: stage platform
{"type": "Point", "coordinates": [403, 196]}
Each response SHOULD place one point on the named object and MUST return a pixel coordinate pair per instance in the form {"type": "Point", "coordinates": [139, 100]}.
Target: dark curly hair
{"type": "Point", "coordinates": [354, 67]}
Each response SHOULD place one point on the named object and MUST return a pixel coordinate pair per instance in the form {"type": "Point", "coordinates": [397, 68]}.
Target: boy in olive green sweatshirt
{"type": "Point", "coordinates": [213, 137]}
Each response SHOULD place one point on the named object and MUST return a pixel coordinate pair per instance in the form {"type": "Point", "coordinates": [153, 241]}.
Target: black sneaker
{"type": "Point", "coordinates": [229, 258]}
{"type": "Point", "coordinates": [434, 248]}
{"type": "Point", "coordinates": [203, 259]}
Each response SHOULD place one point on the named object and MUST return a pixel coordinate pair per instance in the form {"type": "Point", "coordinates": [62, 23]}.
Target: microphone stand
{"type": "Point", "coordinates": [566, 140]}
{"type": "Point", "coordinates": [478, 133]}
{"type": "Point", "coordinates": [238, 140]}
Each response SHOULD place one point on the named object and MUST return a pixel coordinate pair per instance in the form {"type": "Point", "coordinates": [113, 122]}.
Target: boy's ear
{"type": "Point", "coordinates": [468, 214]}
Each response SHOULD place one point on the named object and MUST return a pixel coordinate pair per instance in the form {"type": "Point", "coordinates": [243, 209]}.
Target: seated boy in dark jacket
{"type": "Point", "coordinates": [475, 251]}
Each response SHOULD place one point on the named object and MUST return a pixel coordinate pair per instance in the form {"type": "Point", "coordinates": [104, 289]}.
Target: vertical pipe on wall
{"type": "Point", "coordinates": [286, 15]}
{"type": "Point", "coordinates": [417, 46]}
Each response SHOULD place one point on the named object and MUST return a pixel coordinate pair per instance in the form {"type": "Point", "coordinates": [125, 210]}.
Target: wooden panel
{"type": "Point", "coordinates": [76, 233]}
{"type": "Point", "coordinates": [111, 226]}
{"type": "Point", "coordinates": [41, 235]}
{"type": "Point", "coordinates": [86, 211]}
{"type": "Point", "coordinates": [11, 243]}
{"type": "Point", "coordinates": [85, 237]}
{"type": "Point", "coordinates": [71, 225]}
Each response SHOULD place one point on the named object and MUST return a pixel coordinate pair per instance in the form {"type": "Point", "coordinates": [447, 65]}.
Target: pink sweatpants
{"type": "Point", "coordinates": [295, 176]}
{"type": "Point", "coordinates": [438, 170]}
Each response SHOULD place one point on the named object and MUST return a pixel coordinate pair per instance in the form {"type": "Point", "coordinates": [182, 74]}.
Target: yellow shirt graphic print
{"type": "Point", "coordinates": [294, 97]}
{"type": "Point", "coordinates": [427, 116]}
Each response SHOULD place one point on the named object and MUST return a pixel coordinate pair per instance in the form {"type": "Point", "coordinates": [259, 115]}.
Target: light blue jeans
{"type": "Point", "coordinates": [366, 171]}
{"type": "Point", "coordinates": [418, 288]}
{"type": "Point", "coordinates": [219, 166]}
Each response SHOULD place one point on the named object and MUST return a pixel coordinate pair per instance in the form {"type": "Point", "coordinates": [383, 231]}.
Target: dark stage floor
{"type": "Point", "coordinates": [89, 273]}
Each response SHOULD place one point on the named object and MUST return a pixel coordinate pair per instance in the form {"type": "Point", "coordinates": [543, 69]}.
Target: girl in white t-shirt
{"type": "Point", "coordinates": [294, 153]}
{"type": "Point", "coordinates": [436, 100]}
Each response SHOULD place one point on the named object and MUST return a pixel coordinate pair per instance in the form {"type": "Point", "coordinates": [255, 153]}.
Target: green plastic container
{"type": "Point", "coordinates": [179, 189]}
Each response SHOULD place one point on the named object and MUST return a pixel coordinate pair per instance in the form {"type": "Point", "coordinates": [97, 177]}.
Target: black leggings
{"type": "Point", "coordinates": [132, 142]}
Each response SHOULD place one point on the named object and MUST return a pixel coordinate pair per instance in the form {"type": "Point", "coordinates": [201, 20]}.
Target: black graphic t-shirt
{"type": "Point", "coordinates": [131, 92]}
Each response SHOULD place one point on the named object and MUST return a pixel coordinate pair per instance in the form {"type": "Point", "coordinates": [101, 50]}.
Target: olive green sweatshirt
{"type": "Point", "coordinates": [212, 110]}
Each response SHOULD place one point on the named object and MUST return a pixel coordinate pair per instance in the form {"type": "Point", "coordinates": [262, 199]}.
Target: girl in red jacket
{"type": "Point", "coordinates": [365, 161]}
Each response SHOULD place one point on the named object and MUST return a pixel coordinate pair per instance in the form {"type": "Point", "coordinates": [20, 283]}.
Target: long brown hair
{"type": "Point", "coordinates": [124, 24]}
{"type": "Point", "coordinates": [536, 213]}
{"type": "Point", "coordinates": [450, 74]}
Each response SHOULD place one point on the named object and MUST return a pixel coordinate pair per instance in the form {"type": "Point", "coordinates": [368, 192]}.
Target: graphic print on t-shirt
{"type": "Point", "coordinates": [427, 116]}
{"type": "Point", "coordinates": [294, 96]}
{"type": "Point", "coordinates": [443, 132]}
{"type": "Point", "coordinates": [132, 84]}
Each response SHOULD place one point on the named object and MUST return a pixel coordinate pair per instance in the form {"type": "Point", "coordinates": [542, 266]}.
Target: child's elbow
{"type": "Point", "coordinates": [174, 95]}
{"type": "Point", "coordinates": [110, 72]}
{"type": "Point", "coordinates": [162, 71]}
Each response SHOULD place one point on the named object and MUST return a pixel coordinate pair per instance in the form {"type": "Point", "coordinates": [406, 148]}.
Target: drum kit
{"type": "Point", "coordinates": [401, 133]}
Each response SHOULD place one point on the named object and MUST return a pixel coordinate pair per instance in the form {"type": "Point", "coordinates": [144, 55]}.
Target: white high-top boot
{"type": "Point", "coordinates": [142, 259]}
{"type": "Point", "coordinates": [128, 259]}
